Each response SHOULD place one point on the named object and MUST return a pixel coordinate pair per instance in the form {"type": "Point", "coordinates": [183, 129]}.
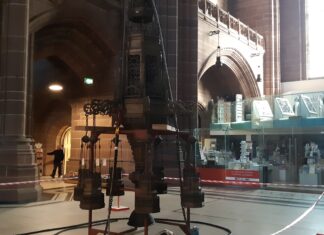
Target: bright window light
{"type": "Point", "coordinates": [55, 87]}
{"type": "Point", "coordinates": [315, 45]}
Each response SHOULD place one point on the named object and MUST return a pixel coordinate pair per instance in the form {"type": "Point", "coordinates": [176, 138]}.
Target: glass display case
{"type": "Point", "coordinates": [279, 140]}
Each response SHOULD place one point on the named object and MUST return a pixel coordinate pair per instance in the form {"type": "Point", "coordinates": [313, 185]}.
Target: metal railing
{"type": "Point", "coordinates": [228, 23]}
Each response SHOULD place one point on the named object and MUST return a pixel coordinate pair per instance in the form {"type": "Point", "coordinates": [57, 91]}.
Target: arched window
{"type": "Point", "coordinates": [314, 38]}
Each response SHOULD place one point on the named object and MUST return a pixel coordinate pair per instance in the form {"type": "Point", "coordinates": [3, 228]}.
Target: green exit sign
{"type": "Point", "coordinates": [88, 80]}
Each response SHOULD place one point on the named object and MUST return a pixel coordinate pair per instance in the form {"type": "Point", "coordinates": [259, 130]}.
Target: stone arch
{"type": "Point", "coordinates": [72, 32]}
{"type": "Point", "coordinates": [202, 114]}
{"type": "Point", "coordinates": [234, 60]}
{"type": "Point", "coordinates": [41, 20]}
{"type": "Point", "coordinates": [79, 48]}
{"type": "Point", "coordinates": [74, 39]}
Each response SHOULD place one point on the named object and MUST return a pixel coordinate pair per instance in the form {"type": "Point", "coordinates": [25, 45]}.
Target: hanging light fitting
{"type": "Point", "coordinates": [218, 58]}
{"type": "Point", "coordinates": [218, 63]}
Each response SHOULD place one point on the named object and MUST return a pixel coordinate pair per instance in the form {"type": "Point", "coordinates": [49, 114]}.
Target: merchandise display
{"type": "Point", "coordinates": [286, 135]}
{"type": "Point", "coordinates": [310, 172]}
{"type": "Point", "coordinates": [279, 160]}
{"type": "Point", "coordinates": [238, 108]}
{"type": "Point", "coordinates": [261, 110]}
{"type": "Point", "coordinates": [307, 108]}
{"type": "Point", "coordinates": [248, 168]}
{"type": "Point", "coordinates": [212, 157]}
{"type": "Point", "coordinates": [283, 108]}
{"type": "Point", "coordinates": [221, 165]}
{"type": "Point", "coordinates": [224, 111]}
{"type": "Point", "coordinates": [269, 108]}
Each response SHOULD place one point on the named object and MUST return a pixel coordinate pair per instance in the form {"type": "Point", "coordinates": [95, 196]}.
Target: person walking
{"type": "Point", "coordinates": [58, 160]}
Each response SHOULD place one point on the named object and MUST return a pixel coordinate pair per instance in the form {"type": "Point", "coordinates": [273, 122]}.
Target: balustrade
{"type": "Point", "coordinates": [234, 23]}
{"type": "Point", "coordinates": [227, 22]}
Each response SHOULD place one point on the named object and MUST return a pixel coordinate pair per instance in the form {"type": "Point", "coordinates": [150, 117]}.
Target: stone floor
{"type": "Point", "coordinates": [243, 211]}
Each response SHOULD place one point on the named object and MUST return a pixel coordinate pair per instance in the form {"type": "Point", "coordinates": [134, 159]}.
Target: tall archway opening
{"type": "Point", "coordinates": [65, 141]}
{"type": "Point", "coordinates": [65, 52]}
{"type": "Point", "coordinates": [235, 76]}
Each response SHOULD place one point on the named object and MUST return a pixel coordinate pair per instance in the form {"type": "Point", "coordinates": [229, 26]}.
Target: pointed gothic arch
{"type": "Point", "coordinates": [234, 60]}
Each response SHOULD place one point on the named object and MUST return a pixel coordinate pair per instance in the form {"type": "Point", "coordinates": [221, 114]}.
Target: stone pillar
{"type": "Point", "coordinates": [168, 11]}
{"type": "Point", "coordinates": [17, 160]}
{"type": "Point", "coordinates": [292, 40]}
{"type": "Point", "coordinates": [30, 71]}
{"type": "Point", "coordinates": [188, 55]}
{"type": "Point", "coordinates": [146, 199]}
{"type": "Point", "coordinates": [263, 16]}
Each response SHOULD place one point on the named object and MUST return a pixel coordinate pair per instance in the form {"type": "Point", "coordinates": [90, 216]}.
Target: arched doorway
{"type": "Point", "coordinates": [65, 141]}
{"type": "Point", "coordinates": [236, 67]}
{"type": "Point", "coordinates": [68, 46]}
{"type": "Point", "coordinates": [216, 83]}
{"type": "Point", "coordinates": [235, 76]}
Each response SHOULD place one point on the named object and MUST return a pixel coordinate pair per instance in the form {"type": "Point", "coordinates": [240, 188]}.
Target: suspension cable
{"type": "Point", "coordinates": [112, 178]}
{"type": "Point", "coordinates": [171, 98]}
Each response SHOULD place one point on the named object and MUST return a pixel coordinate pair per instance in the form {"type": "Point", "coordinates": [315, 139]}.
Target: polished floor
{"type": "Point", "coordinates": [243, 211]}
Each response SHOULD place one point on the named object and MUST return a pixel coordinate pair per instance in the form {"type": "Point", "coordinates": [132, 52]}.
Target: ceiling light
{"type": "Point", "coordinates": [55, 87]}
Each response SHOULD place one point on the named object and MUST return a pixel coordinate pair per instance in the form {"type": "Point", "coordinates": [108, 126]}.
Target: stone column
{"type": "Point", "coordinates": [30, 72]}
{"type": "Point", "coordinates": [292, 40]}
{"type": "Point", "coordinates": [265, 20]}
{"type": "Point", "coordinates": [188, 56]}
{"type": "Point", "coordinates": [17, 160]}
{"type": "Point", "coordinates": [168, 11]}
{"type": "Point", "coordinates": [146, 199]}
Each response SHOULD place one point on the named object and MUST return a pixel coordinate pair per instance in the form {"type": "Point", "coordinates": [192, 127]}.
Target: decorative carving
{"type": "Point", "coordinates": [102, 107]}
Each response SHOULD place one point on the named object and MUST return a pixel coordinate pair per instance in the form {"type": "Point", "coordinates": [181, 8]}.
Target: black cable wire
{"type": "Point", "coordinates": [112, 179]}
{"type": "Point", "coordinates": [79, 227]}
{"type": "Point", "coordinates": [171, 98]}
{"type": "Point", "coordinates": [100, 222]}
{"type": "Point", "coordinates": [72, 228]}
{"type": "Point", "coordinates": [163, 49]}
